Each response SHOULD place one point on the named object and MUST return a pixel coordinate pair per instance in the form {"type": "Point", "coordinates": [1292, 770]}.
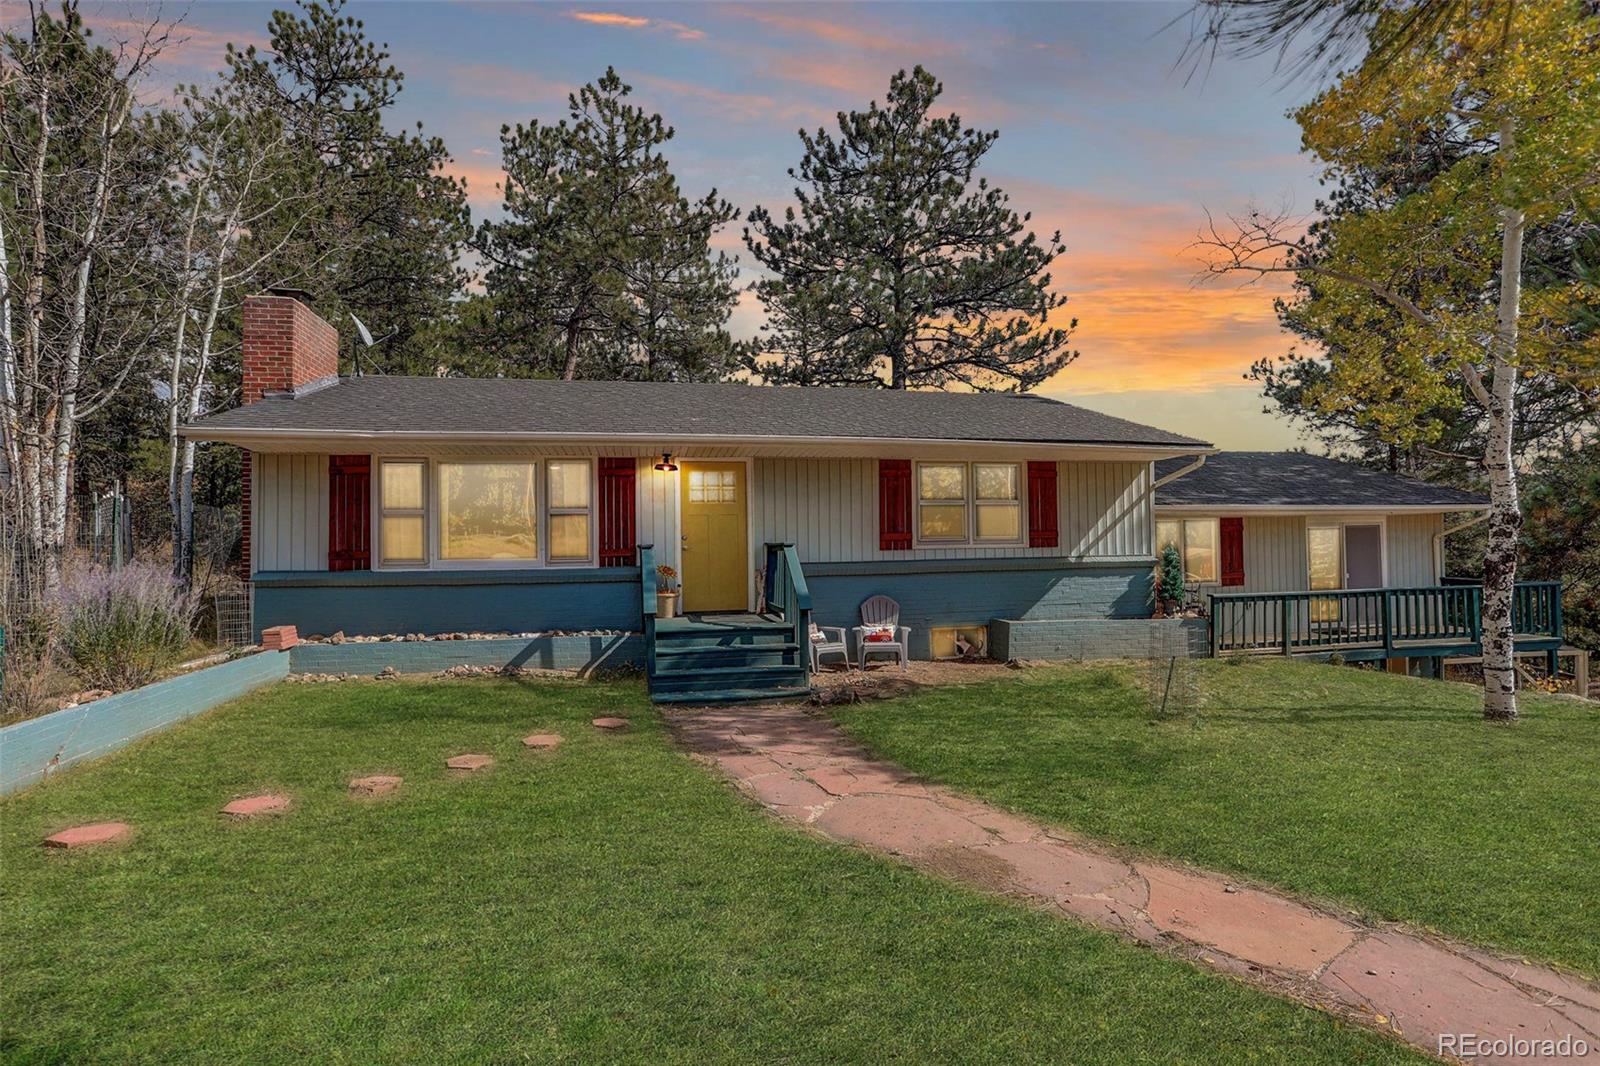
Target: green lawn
{"type": "Point", "coordinates": [611, 901]}
{"type": "Point", "coordinates": [1383, 793]}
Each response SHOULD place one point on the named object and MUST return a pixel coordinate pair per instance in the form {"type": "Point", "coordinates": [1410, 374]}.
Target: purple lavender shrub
{"type": "Point", "coordinates": [119, 628]}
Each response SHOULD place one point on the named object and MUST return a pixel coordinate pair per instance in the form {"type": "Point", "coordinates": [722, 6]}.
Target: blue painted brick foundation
{"type": "Point", "coordinates": [975, 591]}
{"type": "Point", "coordinates": [583, 654]}
{"type": "Point", "coordinates": [376, 602]}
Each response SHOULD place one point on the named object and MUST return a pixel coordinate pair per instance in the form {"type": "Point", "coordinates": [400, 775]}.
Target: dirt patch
{"type": "Point", "coordinates": [888, 681]}
{"type": "Point", "coordinates": [971, 865]}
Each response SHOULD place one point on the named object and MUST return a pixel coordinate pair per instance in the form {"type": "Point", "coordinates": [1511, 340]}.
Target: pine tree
{"type": "Point", "coordinates": [388, 224]}
{"type": "Point", "coordinates": [899, 268]}
{"type": "Point", "coordinates": [601, 266]}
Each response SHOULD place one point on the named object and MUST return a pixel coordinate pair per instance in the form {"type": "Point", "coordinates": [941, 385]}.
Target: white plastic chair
{"type": "Point", "coordinates": [876, 613]}
{"type": "Point", "coordinates": [834, 644]}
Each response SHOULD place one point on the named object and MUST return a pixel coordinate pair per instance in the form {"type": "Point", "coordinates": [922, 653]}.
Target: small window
{"type": "Point", "coordinates": [569, 495]}
{"type": "Point", "coordinates": [713, 486]}
{"type": "Point", "coordinates": [402, 527]}
{"type": "Point", "coordinates": [942, 502]}
{"type": "Point", "coordinates": [488, 512]}
{"type": "Point", "coordinates": [1196, 540]}
{"type": "Point", "coordinates": [958, 642]}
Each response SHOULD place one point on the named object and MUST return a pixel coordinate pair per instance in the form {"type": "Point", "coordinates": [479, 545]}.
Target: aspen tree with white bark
{"type": "Point", "coordinates": [1521, 83]}
{"type": "Point", "coordinates": [84, 171]}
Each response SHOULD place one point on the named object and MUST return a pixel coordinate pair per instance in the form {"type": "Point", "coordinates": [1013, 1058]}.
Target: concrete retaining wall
{"type": "Point", "coordinates": [33, 750]}
{"type": "Point", "coordinates": [1101, 638]}
{"type": "Point", "coordinates": [584, 654]}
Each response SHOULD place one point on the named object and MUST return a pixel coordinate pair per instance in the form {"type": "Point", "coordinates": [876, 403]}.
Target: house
{"type": "Point", "coordinates": [1288, 521]}
{"type": "Point", "coordinates": [404, 505]}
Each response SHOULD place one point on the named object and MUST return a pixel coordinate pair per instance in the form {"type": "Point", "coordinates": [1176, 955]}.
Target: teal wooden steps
{"type": "Point", "coordinates": [736, 656]}
{"type": "Point", "coordinates": [718, 658]}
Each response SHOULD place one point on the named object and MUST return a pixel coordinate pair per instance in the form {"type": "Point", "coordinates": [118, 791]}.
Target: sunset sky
{"type": "Point", "coordinates": [1100, 137]}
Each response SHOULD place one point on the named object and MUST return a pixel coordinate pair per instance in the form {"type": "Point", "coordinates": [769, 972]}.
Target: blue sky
{"type": "Point", "coordinates": [1100, 137]}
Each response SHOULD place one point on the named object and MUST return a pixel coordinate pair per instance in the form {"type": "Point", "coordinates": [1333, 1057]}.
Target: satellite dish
{"type": "Point", "coordinates": [361, 328]}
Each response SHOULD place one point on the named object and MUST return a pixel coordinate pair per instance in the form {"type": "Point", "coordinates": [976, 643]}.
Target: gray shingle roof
{"type": "Point", "coordinates": [1294, 479]}
{"type": "Point", "coordinates": [499, 405]}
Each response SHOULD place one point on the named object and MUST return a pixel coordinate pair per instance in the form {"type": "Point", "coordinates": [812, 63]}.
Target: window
{"type": "Point", "coordinates": [402, 528]}
{"type": "Point", "coordinates": [713, 486]}
{"type": "Point", "coordinates": [569, 492]}
{"type": "Point", "coordinates": [999, 503]}
{"type": "Point", "coordinates": [1196, 540]}
{"type": "Point", "coordinates": [991, 493]}
{"type": "Point", "coordinates": [942, 502]}
{"type": "Point", "coordinates": [488, 512]}
{"type": "Point", "coordinates": [958, 642]}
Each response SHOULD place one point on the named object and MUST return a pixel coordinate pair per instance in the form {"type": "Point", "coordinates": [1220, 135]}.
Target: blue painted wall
{"type": "Point", "coordinates": [31, 750]}
{"type": "Point", "coordinates": [485, 601]}
{"type": "Point", "coordinates": [583, 654]}
{"type": "Point", "coordinates": [952, 592]}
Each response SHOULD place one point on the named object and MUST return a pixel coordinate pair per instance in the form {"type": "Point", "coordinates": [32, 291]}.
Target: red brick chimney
{"type": "Point", "coordinates": [288, 348]}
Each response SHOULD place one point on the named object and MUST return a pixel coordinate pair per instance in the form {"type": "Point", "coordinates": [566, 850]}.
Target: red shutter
{"type": "Point", "coordinates": [1043, 524]}
{"type": "Point", "coordinates": [618, 505]}
{"type": "Point", "coordinates": [349, 512]}
{"type": "Point", "coordinates": [1232, 551]}
{"type": "Point", "coordinates": [894, 504]}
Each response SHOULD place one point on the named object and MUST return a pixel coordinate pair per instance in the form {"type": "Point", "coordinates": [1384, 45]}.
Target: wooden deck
{"type": "Point", "coordinates": [1441, 621]}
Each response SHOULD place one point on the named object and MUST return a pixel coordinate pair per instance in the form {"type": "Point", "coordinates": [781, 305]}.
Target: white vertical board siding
{"type": "Point", "coordinates": [1412, 561]}
{"type": "Point", "coordinates": [289, 515]}
{"type": "Point", "coordinates": [656, 521]}
{"type": "Point", "coordinates": [828, 508]}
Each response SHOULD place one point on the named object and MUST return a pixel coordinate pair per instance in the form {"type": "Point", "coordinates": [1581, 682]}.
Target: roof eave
{"type": "Point", "coordinates": [1320, 508]}
{"type": "Point", "coordinates": [266, 439]}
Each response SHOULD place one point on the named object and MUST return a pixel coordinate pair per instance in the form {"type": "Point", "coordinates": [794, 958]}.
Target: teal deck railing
{"type": "Point", "coordinates": [1429, 620]}
{"type": "Point", "coordinates": [787, 593]}
{"type": "Point", "coordinates": [647, 581]}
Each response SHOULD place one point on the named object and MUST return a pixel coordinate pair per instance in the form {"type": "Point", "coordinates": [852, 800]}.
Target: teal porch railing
{"type": "Point", "coordinates": [647, 581]}
{"type": "Point", "coordinates": [1424, 621]}
{"type": "Point", "coordinates": [787, 594]}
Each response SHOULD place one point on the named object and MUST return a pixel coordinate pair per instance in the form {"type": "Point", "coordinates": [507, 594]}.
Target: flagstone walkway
{"type": "Point", "coordinates": [806, 771]}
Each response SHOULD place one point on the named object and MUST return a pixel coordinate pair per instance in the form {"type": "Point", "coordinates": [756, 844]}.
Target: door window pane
{"type": "Point", "coordinates": [487, 511]}
{"type": "Point", "coordinates": [1326, 569]}
{"type": "Point", "coordinates": [1200, 549]}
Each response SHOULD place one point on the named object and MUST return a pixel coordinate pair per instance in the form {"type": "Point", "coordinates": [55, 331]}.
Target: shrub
{"type": "Point", "coordinates": [119, 628]}
{"type": "Point", "coordinates": [1169, 578]}
{"type": "Point", "coordinates": [26, 665]}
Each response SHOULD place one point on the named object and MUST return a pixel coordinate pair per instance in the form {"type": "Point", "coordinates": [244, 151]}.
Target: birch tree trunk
{"type": "Point", "coordinates": [1505, 509]}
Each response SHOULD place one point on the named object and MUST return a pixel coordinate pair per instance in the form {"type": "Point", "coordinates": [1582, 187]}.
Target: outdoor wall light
{"type": "Point", "coordinates": [666, 465]}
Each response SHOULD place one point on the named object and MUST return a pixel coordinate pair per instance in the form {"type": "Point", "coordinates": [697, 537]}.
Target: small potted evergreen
{"type": "Point", "coordinates": [1169, 583]}
{"type": "Point", "coordinates": [666, 592]}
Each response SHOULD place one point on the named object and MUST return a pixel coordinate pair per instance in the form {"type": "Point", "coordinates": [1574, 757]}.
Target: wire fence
{"type": "Point", "coordinates": [1171, 679]}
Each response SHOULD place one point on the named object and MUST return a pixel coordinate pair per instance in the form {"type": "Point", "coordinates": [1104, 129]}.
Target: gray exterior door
{"type": "Point", "coordinates": [1363, 557]}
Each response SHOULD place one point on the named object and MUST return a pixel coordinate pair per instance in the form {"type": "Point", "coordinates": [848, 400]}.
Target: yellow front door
{"type": "Point", "coordinates": [714, 556]}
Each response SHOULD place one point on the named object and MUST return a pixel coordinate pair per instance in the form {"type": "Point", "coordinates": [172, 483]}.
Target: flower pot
{"type": "Point", "coordinates": [666, 605]}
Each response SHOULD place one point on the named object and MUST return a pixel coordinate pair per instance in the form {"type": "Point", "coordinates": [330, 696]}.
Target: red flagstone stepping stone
{"type": "Point", "coordinates": [82, 836]}
{"type": "Point", "coordinates": [610, 723]}
{"type": "Point", "coordinates": [541, 740]}
{"type": "Point", "coordinates": [249, 806]}
{"type": "Point", "coordinates": [375, 785]}
{"type": "Point", "coordinates": [777, 790]}
{"type": "Point", "coordinates": [469, 762]}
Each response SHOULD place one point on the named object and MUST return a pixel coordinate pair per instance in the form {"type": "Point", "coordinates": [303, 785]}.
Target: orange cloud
{"type": "Point", "coordinates": [638, 22]}
{"type": "Point", "coordinates": [482, 180]}
{"type": "Point", "coordinates": [611, 18]}
{"type": "Point", "coordinates": [734, 106]}
{"type": "Point", "coordinates": [1129, 273]}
